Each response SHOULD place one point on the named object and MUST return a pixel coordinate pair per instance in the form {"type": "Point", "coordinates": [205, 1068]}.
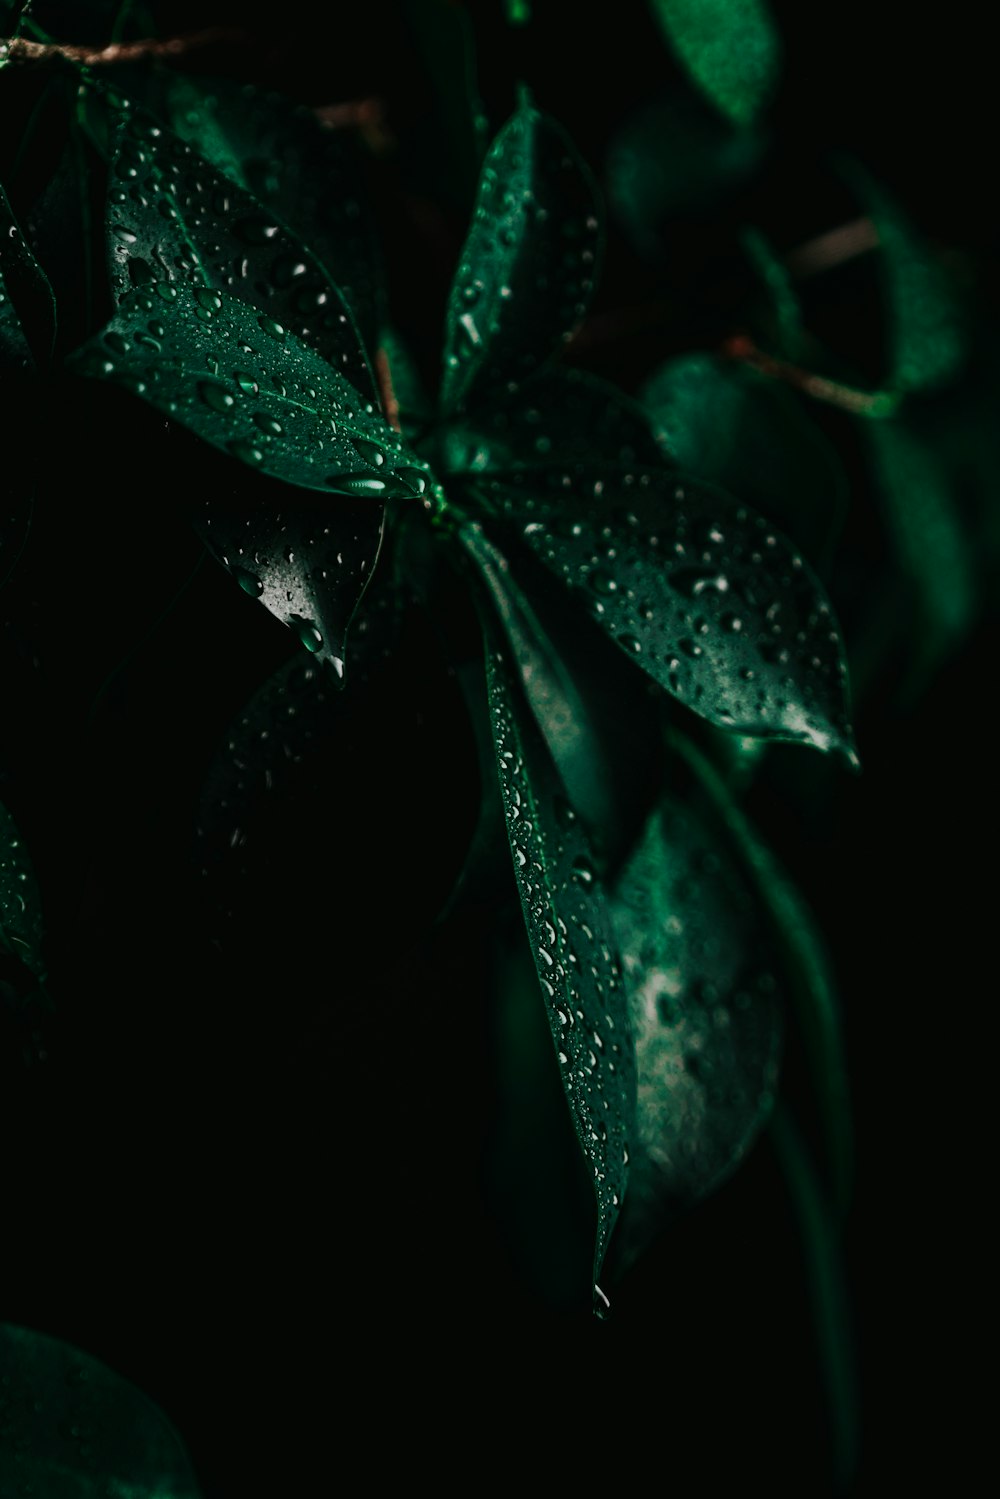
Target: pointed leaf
{"type": "Point", "coordinates": [703, 989]}
{"type": "Point", "coordinates": [311, 176]}
{"type": "Point", "coordinates": [557, 416]}
{"type": "Point", "coordinates": [697, 590]}
{"type": "Point", "coordinates": [70, 1428]}
{"type": "Point", "coordinates": [172, 217]}
{"type": "Point", "coordinates": [20, 906]}
{"type": "Point", "coordinates": [730, 48]}
{"type": "Point", "coordinates": [528, 265]}
{"type": "Point", "coordinates": [242, 383]}
{"type": "Point", "coordinates": [570, 933]}
{"type": "Point", "coordinates": [749, 435]}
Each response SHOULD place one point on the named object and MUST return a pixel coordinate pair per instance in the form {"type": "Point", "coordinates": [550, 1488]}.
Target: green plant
{"type": "Point", "coordinates": [626, 627]}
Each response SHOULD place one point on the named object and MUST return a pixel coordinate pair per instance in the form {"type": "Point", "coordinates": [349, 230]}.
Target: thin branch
{"type": "Point", "coordinates": [20, 50]}
{"type": "Point", "coordinates": [386, 389]}
{"type": "Point", "coordinates": [877, 403]}
{"type": "Point", "coordinates": [835, 247]}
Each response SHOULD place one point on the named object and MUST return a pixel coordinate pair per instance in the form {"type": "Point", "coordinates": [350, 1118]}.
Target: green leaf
{"type": "Point", "coordinates": [929, 540]}
{"type": "Point", "coordinates": [311, 176]}
{"type": "Point", "coordinates": [749, 435]}
{"type": "Point", "coordinates": [671, 159]}
{"type": "Point", "coordinates": [446, 148]}
{"type": "Point", "coordinates": [172, 217]}
{"type": "Point", "coordinates": [27, 306]}
{"type": "Point", "coordinates": [804, 964]}
{"type": "Point", "coordinates": [70, 1428]}
{"type": "Point", "coordinates": [696, 590]}
{"type": "Point", "coordinates": [704, 991]}
{"type": "Point", "coordinates": [548, 687]}
{"type": "Point", "coordinates": [570, 933]}
{"type": "Point", "coordinates": [556, 416]}
{"type": "Point", "coordinates": [926, 318]}
{"type": "Point", "coordinates": [529, 263]}
{"type": "Point", "coordinates": [730, 48]}
{"type": "Point", "coordinates": [20, 905]}
{"type": "Point", "coordinates": [241, 382]}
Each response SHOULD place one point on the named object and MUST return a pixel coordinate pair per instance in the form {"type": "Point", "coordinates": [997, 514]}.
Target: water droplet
{"type": "Point", "coordinates": [248, 581]}
{"type": "Point", "coordinates": [116, 343]}
{"type": "Point", "coordinates": [307, 633]}
{"type": "Point", "coordinates": [286, 269]}
{"type": "Point", "coordinates": [256, 231]}
{"type": "Point", "coordinates": [412, 479]}
{"type": "Point", "coordinates": [166, 290]}
{"type": "Point", "coordinates": [267, 424]}
{"type": "Point", "coordinates": [247, 384]}
{"type": "Point", "coordinates": [368, 452]}
{"type": "Point", "coordinates": [360, 484]}
{"type": "Point", "coordinates": [207, 299]}
{"type": "Point", "coordinates": [602, 582]}
{"type": "Point", "coordinates": [216, 396]}
{"type": "Point", "coordinates": [630, 643]}
{"type": "Point", "coordinates": [271, 327]}
{"type": "Point", "coordinates": [246, 451]}
{"type": "Point", "coordinates": [583, 871]}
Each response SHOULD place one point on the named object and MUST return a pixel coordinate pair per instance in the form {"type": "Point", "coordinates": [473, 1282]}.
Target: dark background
{"type": "Point", "coordinates": [250, 1176]}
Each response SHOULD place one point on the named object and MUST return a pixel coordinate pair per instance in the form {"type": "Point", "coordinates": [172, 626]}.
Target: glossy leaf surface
{"type": "Point", "coordinates": [748, 434]}
{"type": "Point", "coordinates": [697, 590]}
{"type": "Point", "coordinates": [730, 48]}
{"type": "Point", "coordinates": [703, 987]}
{"type": "Point", "coordinates": [556, 416]}
{"type": "Point", "coordinates": [572, 941]}
{"type": "Point", "coordinates": [173, 217]}
{"type": "Point", "coordinates": [528, 265]}
{"type": "Point", "coordinates": [70, 1428]}
{"type": "Point", "coordinates": [311, 176]}
{"type": "Point", "coordinates": [27, 306]}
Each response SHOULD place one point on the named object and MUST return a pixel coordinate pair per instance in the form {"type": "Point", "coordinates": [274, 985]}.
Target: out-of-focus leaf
{"type": "Point", "coordinates": [550, 690]}
{"type": "Point", "coordinates": [930, 544]}
{"type": "Point", "coordinates": [70, 1428]}
{"type": "Point", "coordinates": [696, 589]}
{"type": "Point", "coordinates": [238, 380]}
{"type": "Point", "coordinates": [730, 48]}
{"type": "Point", "coordinates": [570, 933]}
{"type": "Point", "coordinates": [750, 435]}
{"type": "Point", "coordinates": [926, 317]}
{"type": "Point", "coordinates": [415, 406]}
{"type": "Point", "coordinates": [312, 178]}
{"type": "Point", "coordinates": [804, 965]}
{"type": "Point", "coordinates": [557, 416]}
{"type": "Point", "coordinates": [674, 157]}
{"type": "Point", "coordinates": [784, 309]}
{"type": "Point", "coordinates": [173, 217]}
{"type": "Point", "coordinates": [825, 1271]}
{"type": "Point", "coordinates": [528, 265]}
{"type": "Point", "coordinates": [447, 149]}
{"type": "Point", "coordinates": [704, 984]}
{"type": "Point", "coordinates": [20, 906]}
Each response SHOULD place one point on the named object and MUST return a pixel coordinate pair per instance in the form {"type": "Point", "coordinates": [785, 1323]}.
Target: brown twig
{"type": "Point", "coordinates": [876, 403]}
{"type": "Point", "coordinates": [834, 248]}
{"type": "Point", "coordinates": [19, 49]}
{"type": "Point", "coordinates": [386, 389]}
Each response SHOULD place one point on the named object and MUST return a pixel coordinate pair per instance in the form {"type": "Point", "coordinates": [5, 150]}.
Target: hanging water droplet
{"type": "Point", "coordinates": [248, 581]}
{"type": "Point", "coordinates": [360, 484]}
{"type": "Point", "coordinates": [307, 632]}
{"type": "Point", "coordinates": [368, 452]}
{"type": "Point", "coordinates": [412, 478]}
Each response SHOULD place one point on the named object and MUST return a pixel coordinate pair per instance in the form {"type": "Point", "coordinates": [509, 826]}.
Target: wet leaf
{"type": "Point", "coordinates": [253, 390]}
{"type": "Point", "coordinates": [20, 905]}
{"type": "Point", "coordinates": [27, 306]}
{"type": "Point", "coordinates": [572, 941]}
{"type": "Point", "coordinates": [172, 217]}
{"type": "Point", "coordinates": [697, 590]}
{"type": "Point", "coordinates": [730, 48]}
{"type": "Point", "coordinates": [704, 985]}
{"type": "Point", "coordinates": [736, 429]}
{"type": "Point", "coordinates": [556, 416]}
{"type": "Point", "coordinates": [311, 176]}
{"type": "Point", "coordinates": [70, 1428]}
{"type": "Point", "coordinates": [529, 262]}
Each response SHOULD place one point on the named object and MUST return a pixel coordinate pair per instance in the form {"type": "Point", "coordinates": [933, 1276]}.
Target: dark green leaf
{"type": "Point", "coordinates": [549, 689]}
{"type": "Point", "coordinates": [27, 306]}
{"type": "Point", "coordinates": [804, 964]}
{"type": "Point", "coordinates": [529, 263]}
{"type": "Point", "coordinates": [929, 540]}
{"type": "Point", "coordinates": [735, 428]}
{"type": "Point", "coordinates": [730, 48]}
{"type": "Point", "coordinates": [448, 147]}
{"type": "Point", "coordinates": [557, 416]}
{"type": "Point", "coordinates": [72, 1429]}
{"type": "Point", "coordinates": [312, 177]}
{"type": "Point", "coordinates": [703, 987]}
{"type": "Point", "coordinates": [569, 929]}
{"type": "Point", "coordinates": [172, 217]}
{"type": "Point", "coordinates": [244, 384]}
{"type": "Point", "coordinates": [697, 590]}
{"type": "Point", "coordinates": [20, 906]}
{"type": "Point", "coordinates": [672, 158]}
